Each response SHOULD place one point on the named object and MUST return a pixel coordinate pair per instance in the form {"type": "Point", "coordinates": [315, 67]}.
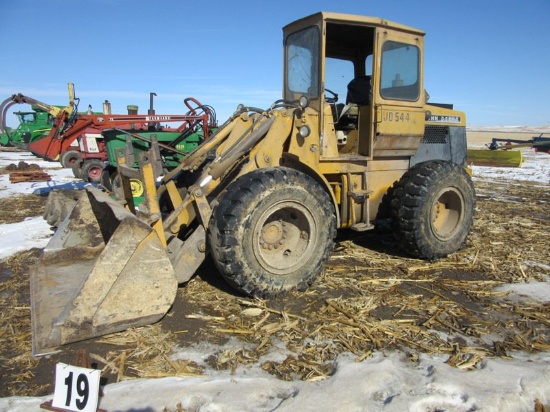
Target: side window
{"type": "Point", "coordinates": [400, 71]}
{"type": "Point", "coordinates": [28, 118]}
{"type": "Point", "coordinates": [338, 74]}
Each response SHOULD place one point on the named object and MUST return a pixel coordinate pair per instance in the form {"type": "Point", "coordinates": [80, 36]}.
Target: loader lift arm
{"type": "Point", "coordinates": [157, 238]}
{"type": "Point", "coordinates": [181, 220]}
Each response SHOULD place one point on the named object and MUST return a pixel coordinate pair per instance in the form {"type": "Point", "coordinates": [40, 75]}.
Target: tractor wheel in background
{"type": "Point", "coordinates": [4, 139]}
{"type": "Point", "coordinates": [91, 170]}
{"type": "Point", "coordinates": [432, 209]}
{"type": "Point", "coordinates": [68, 158]}
{"type": "Point", "coordinates": [77, 168]}
{"type": "Point", "coordinates": [272, 231]}
{"type": "Point", "coordinates": [136, 186]}
{"type": "Point", "coordinates": [107, 176]}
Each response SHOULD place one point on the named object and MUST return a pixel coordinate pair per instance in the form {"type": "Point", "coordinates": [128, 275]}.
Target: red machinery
{"type": "Point", "coordinates": [67, 128]}
{"type": "Point", "coordinates": [93, 156]}
{"type": "Point", "coordinates": [68, 125]}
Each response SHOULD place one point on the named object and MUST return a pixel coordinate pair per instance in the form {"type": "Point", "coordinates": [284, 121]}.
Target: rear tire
{"type": "Point", "coordinates": [68, 158]}
{"type": "Point", "coordinates": [77, 168]}
{"type": "Point", "coordinates": [272, 231]}
{"type": "Point", "coordinates": [91, 170]}
{"type": "Point", "coordinates": [432, 209]}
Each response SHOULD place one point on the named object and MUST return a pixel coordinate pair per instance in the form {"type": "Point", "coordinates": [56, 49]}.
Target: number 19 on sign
{"type": "Point", "coordinates": [76, 389]}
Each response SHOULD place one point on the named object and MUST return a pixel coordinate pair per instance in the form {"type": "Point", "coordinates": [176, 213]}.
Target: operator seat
{"type": "Point", "coordinates": [359, 91]}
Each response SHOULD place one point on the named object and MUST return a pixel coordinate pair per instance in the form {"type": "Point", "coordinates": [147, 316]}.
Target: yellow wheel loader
{"type": "Point", "coordinates": [265, 195]}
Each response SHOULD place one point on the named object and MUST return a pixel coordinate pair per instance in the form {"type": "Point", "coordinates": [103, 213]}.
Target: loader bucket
{"type": "Point", "coordinates": [103, 271]}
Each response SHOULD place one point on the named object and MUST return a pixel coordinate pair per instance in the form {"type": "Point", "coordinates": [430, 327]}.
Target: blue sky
{"type": "Point", "coordinates": [489, 58]}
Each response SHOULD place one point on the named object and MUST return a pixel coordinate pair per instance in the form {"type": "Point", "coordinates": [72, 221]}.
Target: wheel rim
{"type": "Point", "coordinates": [284, 237]}
{"type": "Point", "coordinates": [447, 213]}
{"type": "Point", "coordinates": [137, 187]}
{"type": "Point", "coordinates": [94, 172]}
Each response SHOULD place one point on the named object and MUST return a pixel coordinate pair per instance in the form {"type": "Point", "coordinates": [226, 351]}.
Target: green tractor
{"type": "Point", "coordinates": [166, 147]}
{"type": "Point", "coordinates": [33, 125]}
{"type": "Point", "coordinates": [101, 152]}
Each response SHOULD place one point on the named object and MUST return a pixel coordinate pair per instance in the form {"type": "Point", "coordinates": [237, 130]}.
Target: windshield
{"type": "Point", "coordinates": [302, 63]}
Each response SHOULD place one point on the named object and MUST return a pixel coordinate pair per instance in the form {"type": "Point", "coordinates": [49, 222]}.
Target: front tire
{"type": "Point", "coordinates": [272, 232]}
{"type": "Point", "coordinates": [432, 209]}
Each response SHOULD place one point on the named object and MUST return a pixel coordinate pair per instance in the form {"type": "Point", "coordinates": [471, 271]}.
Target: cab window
{"type": "Point", "coordinates": [400, 71]}
{"type": "Point", "coordinates": [302, 62]}
{"type": "Point", "coordinates": [27, 118]}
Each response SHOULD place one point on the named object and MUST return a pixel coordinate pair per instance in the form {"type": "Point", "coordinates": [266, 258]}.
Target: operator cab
{"type": "Point", "coordinates": [26, 117]}
{"type": "Point", "coordinates": [364, 77]}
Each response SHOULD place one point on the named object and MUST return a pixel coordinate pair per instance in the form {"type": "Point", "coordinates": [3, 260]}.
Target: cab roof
{"type": "Point", "coordinates": [353, 20]}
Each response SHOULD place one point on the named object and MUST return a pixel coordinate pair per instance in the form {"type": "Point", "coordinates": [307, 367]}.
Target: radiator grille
{"type": "Point", "coordinates": [435, 134]}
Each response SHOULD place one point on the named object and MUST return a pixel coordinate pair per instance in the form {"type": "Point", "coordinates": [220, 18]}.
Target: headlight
{"type": "Point", "coordinates": [303, 102]}
{"type": "Point", "coordinates": [304, 131]}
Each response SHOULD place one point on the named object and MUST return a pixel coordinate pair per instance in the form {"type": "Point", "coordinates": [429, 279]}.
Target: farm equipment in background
{"type": "Point", "coordinates": [5, 137]}
{"type": "Point", "coordinates": [100, 151]}
{"type": "Point", "coordinates": [265, 194]}
{"type": "Point", "coordinates": [32, 126]}
{"type": "Point", "coordinates": [539, 143]}
{"type": "Point", "coordinates": [100, 154]}
{"type": "Point", "coordinates": [57, 121]}
{"type": "Point", "coordinates": [502, 152]}
{"type": "Point", "coordinates": [68, 125]}
{"type": "Point", "coordinates": [44, 119]}
{"type": "Point", "coordinates": [495, 158]}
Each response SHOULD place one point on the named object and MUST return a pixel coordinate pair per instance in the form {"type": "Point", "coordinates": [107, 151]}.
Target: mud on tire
{"type": "Point", "coordinates": [272, 231]}
{"type": "Point", "coordinates": [432, 209]}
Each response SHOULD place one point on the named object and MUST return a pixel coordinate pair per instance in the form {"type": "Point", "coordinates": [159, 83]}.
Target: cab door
{"type": "Point", "coordinates": [398, 94]}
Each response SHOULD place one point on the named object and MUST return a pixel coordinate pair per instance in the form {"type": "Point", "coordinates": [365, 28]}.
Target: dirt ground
{"type": "Point", "coordinates": [370, 298]}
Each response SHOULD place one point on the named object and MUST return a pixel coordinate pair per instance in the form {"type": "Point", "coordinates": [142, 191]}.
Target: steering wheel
{"type": "Point", "coordinates": [331, 99]}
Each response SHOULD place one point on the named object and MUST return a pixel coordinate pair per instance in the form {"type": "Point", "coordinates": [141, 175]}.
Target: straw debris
{"type": "Point", "coordinates": [146, 354]}
{"type": "Point", "coordinates": [370, 298]}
